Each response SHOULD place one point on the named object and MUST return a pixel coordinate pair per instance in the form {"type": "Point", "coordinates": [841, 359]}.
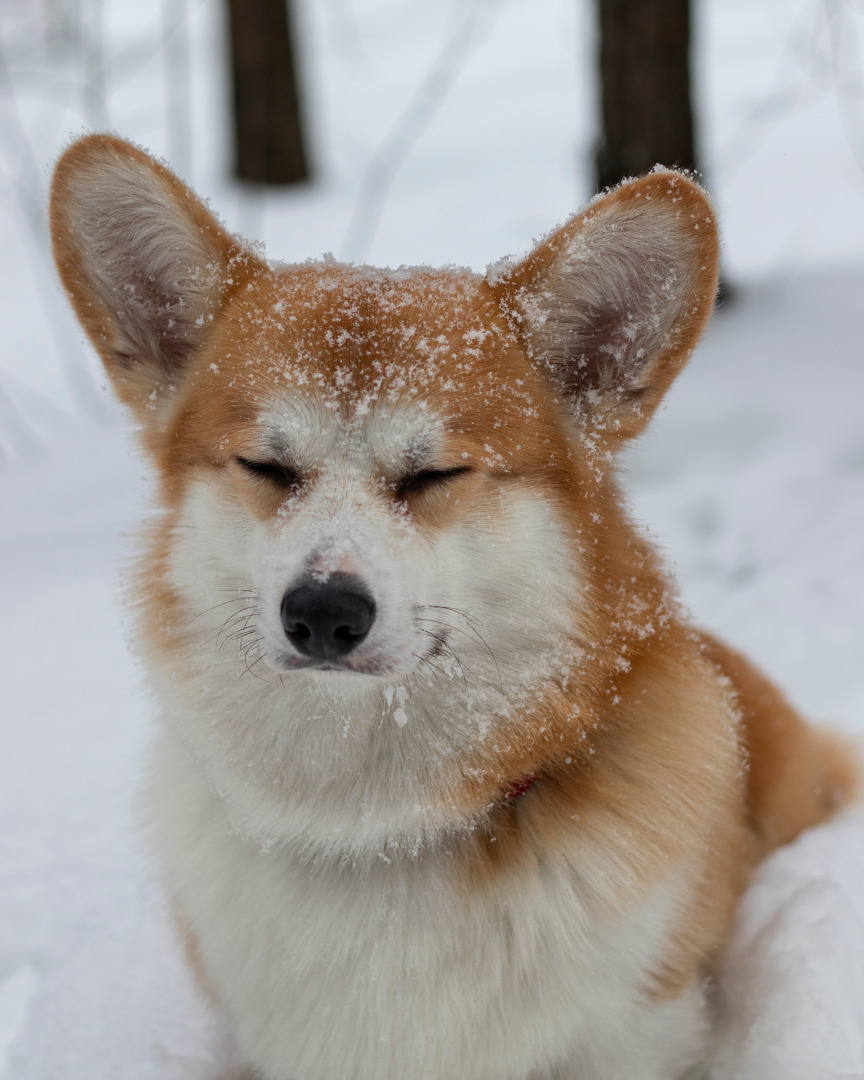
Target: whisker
{"type": "Point", "coordinates": [229, 623]}
{"type": "Point", "coordinates": [248, 667]}
{"type": "Point", "coordinates": [442, 643]}
{"type": "Point", "coordinates": [233, 618]}
{"type": "Point", "coordinates": [426, 662]}
{"type": "Point", "coordinates": [238, 637]}
{"type": "Point", "coordinates": [470, 621]}
{"type": "Point", "coordinates": [457, 611]}
{"type": "Point", "coordinates": [222, 603]}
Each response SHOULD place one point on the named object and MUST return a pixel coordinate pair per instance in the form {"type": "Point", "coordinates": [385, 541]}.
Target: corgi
{"type": "Point", "coordinates": [446, 786]}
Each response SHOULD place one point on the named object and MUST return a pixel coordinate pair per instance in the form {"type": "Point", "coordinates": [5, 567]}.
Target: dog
{"type": "Point", "coordinates": [446, 786]}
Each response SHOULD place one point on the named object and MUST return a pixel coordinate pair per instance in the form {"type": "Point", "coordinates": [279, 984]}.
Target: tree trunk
{"type": "Point", "coordinates": [269, 143]}
{"type": "Point", "coordinates": [645, 88]}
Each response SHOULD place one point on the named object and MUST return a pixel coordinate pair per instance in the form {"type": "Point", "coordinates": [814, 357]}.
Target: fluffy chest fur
{"type": "Point", "coordinates": [407, 969]}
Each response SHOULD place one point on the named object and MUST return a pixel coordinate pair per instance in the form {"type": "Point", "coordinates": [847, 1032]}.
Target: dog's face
{"type": "Point", "coordinates": [387, 495]}
{"type": "Point", "coordinates": [366, 469]}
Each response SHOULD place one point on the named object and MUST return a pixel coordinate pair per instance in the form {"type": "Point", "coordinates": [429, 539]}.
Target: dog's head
{"type": "Point", "coordinates": [394, 485]}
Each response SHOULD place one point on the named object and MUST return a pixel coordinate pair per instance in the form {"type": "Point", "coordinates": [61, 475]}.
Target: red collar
{"type": "Point", "coordinates": [519, 787]}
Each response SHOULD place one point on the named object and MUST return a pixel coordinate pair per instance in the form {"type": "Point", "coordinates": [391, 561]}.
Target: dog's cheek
{"type": "Point", "coordinates": [214, 547]}
{"type": "Point", "coordinates": [511, 567]}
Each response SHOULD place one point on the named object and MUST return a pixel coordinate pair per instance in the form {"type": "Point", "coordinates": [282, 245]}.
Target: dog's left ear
{"type": "Point", "coordinates": [613, 303]}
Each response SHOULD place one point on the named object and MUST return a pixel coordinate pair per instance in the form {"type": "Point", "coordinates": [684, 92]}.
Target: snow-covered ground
{"type": "Point", "coordinates": [752, 477]}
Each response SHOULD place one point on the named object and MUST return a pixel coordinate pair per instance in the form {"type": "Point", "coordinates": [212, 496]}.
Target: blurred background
{"type": "Point", "coordinates": [406, 132]}
{"type": "Point", "coordinates": [428, 131]}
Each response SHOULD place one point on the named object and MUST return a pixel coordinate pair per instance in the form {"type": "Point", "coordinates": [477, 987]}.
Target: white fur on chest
{"type": "Point", "coordinates": [396, 971]}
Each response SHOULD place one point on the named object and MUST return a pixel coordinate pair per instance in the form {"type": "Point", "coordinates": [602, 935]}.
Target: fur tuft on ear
{"type": "Point", "coordinates": [145, 265]}
{"type": "Point", "coordinates": [613, 303]}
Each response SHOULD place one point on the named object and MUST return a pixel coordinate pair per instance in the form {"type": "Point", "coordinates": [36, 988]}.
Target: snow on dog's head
{"type": "Point", "coordinates": [364, 443]}
{"type": "Point", "coordinates": [390, 528]}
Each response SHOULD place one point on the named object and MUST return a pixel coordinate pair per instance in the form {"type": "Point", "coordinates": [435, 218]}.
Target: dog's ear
{"type": "Point", "coordinates": [613, 303]}
{"type": "Point", "coordinates": [146, 266]}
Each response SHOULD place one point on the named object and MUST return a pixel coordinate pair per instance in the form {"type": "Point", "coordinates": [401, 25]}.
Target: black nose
{"type": "Point", "coordinates": [327, 619]}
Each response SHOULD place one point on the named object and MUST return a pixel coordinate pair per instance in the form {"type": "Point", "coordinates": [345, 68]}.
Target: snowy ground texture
{"type": "Point", "coordinates": [752, 477]}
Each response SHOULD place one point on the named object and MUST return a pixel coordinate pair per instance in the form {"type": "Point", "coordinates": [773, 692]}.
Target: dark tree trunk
{"type": "Point", "coordinates": [269, 143]}
{"type": "Point", "coordinates": [645, 88]}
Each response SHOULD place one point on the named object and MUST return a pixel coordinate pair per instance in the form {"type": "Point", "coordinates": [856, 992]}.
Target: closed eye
{"type": "Point", "coordinates": [417, 483]}
{"type": "Point", "coordinates": [281, 475]}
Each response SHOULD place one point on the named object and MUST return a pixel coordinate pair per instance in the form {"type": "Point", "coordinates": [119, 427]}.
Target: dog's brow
{"type": "Point", "coordinates": [277, 445]}
{"type": "Point", "coordinates": [296, 429]}
{"type": "Point", "coordinates": [402, 436]}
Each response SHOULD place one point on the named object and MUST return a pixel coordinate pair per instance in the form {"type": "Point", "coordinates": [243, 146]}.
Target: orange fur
{"type": "Point", "coordinates": [659, 754]}
{"type": "Point", "coordinates": [797, 776]}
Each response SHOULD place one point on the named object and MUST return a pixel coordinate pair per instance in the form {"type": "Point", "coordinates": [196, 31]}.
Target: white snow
{"type": "Point", "coordinates": [792, 992]}
{"type": "Point", "coordinates": [752, 476]}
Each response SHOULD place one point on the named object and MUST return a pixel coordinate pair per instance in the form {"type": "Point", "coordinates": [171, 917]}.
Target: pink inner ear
{"type": "Point", "coordinates": [610, 303]}
{"type": "Point", "coordinates": [145, 261]}
{"type": "Point", "coordinates": [150, 316]}
{"type": "Point", "coordinates": [613, 302]}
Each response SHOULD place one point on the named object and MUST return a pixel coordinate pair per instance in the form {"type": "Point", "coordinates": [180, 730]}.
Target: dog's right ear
{"type": "Point", "coordinates": [145, 265]}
